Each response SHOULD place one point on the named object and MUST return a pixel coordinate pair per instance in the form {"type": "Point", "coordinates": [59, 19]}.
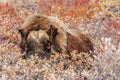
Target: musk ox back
{"type": "Point", "coordinates": [78, 41]}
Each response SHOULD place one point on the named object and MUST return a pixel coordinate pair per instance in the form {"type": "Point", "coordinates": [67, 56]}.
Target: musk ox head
{"type": "Point", "coordinates": [39, 42]}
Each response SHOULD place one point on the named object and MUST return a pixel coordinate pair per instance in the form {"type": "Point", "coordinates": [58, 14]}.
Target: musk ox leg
{"type": "Point", "coordinates": [23, 40]}
{"type": "Point", "coordinates": [61, 43]}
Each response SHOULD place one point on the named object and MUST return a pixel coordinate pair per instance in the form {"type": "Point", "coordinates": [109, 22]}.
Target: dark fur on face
{"type": "Point", "coordinates": [23, 40]}
{"type": "Point", "coordinates": [41, 48]}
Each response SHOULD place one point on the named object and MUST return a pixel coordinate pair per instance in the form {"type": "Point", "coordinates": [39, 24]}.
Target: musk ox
{"type": "Point", "coordinates": [45, 34]}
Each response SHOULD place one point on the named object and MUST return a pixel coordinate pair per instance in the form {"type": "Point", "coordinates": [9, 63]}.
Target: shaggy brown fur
{"type": "Point", "coordinates": [40, 22]}
{"type": "Point", "coordinates": [78, 41]}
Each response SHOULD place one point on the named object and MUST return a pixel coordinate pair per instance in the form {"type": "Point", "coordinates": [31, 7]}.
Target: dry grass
{"type": "Point", "coordinates": [99, 20]}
